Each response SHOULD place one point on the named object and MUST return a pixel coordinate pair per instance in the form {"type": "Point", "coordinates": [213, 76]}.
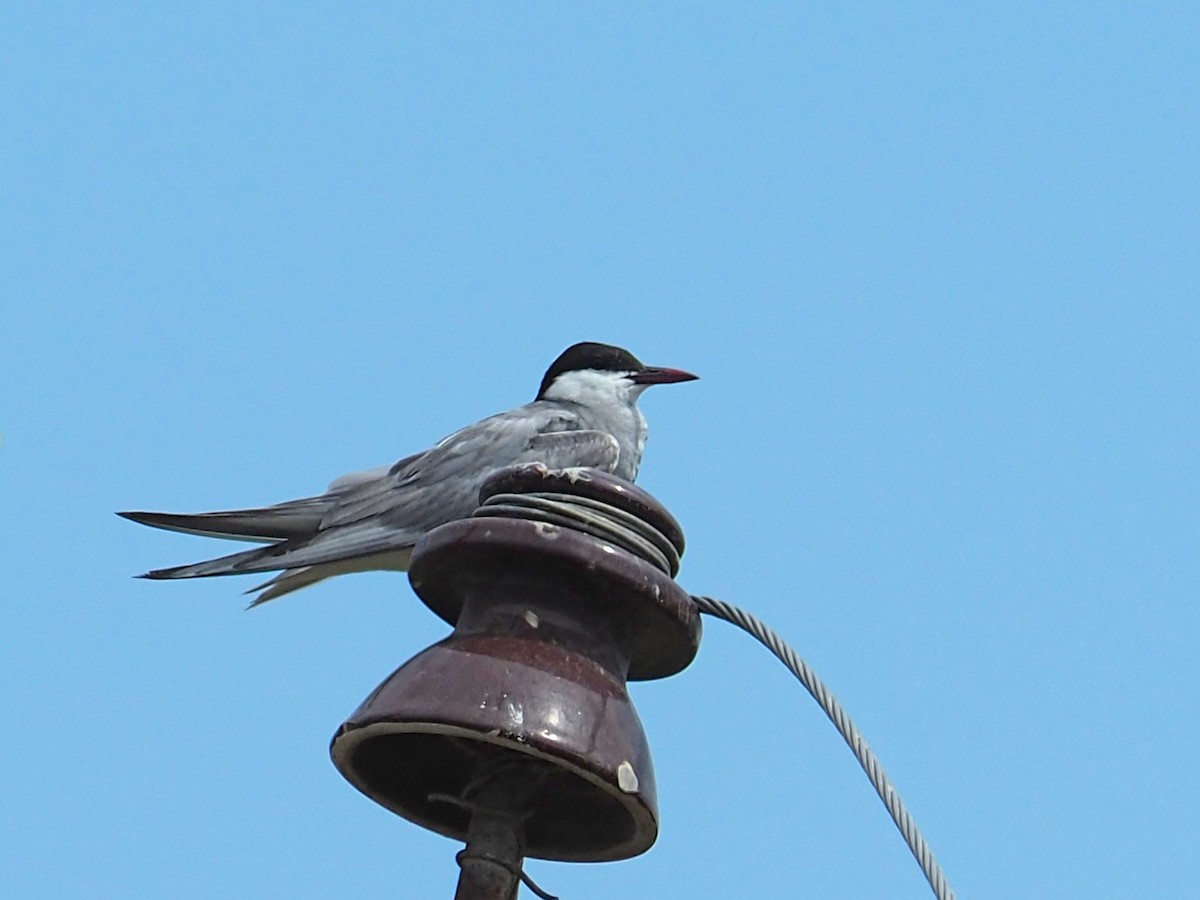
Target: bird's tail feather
{"type": "Point", "coordinates": [222, 565]}
{"type": "Point", "coordinates": [297, 579]}
{"type": "Point", "coordinates": [290, 579]}
{"type": "Point", "coordinates": [287, 582]}
{"type": "Point", "coordinates": [296, 518]}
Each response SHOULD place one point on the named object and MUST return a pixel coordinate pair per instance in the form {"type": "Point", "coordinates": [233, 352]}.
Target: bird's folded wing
{"type": "Point", "coordinates": [355, 479]}
{"type": "Point", "coordinates": [418, 509]}
{"type": "Point", "coordinates": [575, 449]}
{"type": "Point", "coordinates": [427, 489]}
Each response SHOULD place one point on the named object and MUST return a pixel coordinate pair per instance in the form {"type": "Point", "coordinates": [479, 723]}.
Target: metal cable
{"type": "Point", "coordinates": [646, 542]}
{"type": "Point", "coordinates": [846, 728]}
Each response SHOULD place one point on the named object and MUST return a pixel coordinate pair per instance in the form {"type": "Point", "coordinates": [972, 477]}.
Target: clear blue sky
{"type": "Point", "coordinates": [937, 265]}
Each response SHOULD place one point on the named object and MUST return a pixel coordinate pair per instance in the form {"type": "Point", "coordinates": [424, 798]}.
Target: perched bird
{"type": "Point", "coordinates": [585, 414]}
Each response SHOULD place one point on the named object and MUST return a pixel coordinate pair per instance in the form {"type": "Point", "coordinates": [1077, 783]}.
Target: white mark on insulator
{"type": "Point", "coordinates": [532, 618]}
{"type": "Point", "coordinates": [516, 714]}
{"type": "Point", "coordinates": [627, 779]}
{"type": "Point", "coordinates": [546, 530]}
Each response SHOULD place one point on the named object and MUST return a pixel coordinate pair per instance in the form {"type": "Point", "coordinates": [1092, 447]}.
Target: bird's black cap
{"type": "Point", "coordinates": [590, 355]}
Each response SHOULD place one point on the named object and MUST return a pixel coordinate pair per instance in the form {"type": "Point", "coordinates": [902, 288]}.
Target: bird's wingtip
{"type": "Point", "coordinates": [159, 574]}
{"type": "Point", "coordinates": [137, 515]}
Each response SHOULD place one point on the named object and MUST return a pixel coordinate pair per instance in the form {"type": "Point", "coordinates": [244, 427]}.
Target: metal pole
{"type": "Point", "coordinates": [498, 800]}
{"type": "Point", "coordinates": [491, 861]}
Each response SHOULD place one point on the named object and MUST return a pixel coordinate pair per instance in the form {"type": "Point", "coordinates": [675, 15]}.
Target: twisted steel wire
{"type": "Point", "coordinates": [757, 629]}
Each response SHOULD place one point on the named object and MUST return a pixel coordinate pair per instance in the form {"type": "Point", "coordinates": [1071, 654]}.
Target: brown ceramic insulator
{"type": "Point", "coordinates": [549, 623]}
{"type": "Point", "coordinates": [591, 483]}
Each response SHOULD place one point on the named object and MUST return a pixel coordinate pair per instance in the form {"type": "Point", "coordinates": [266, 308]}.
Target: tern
{"type": "Point", "coordinates": [585, 415]}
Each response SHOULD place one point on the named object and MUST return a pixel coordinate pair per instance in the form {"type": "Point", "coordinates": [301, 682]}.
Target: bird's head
{"type": "Point", "coordinates": [591, 373]}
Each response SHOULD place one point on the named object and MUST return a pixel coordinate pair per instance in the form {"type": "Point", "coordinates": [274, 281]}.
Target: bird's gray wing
{"type": "Point", "coordinates": [356, 479]}
{"type": "Point", "coordinates": [443, 483]}
{"type": "Point", "coordinates": [283, 521]}
{"type": "Point", "coordinates": [423, 502]}
{"type": "Point", "coordinates": [391, 513]}
{"type": "Point", "coordinates": [574, 449]}
{"type": "Point", "coordinates": [558, 450]}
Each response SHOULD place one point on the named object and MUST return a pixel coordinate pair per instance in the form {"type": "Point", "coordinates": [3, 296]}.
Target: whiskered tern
{"type": "Point", "coordinates": [585, 415]}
